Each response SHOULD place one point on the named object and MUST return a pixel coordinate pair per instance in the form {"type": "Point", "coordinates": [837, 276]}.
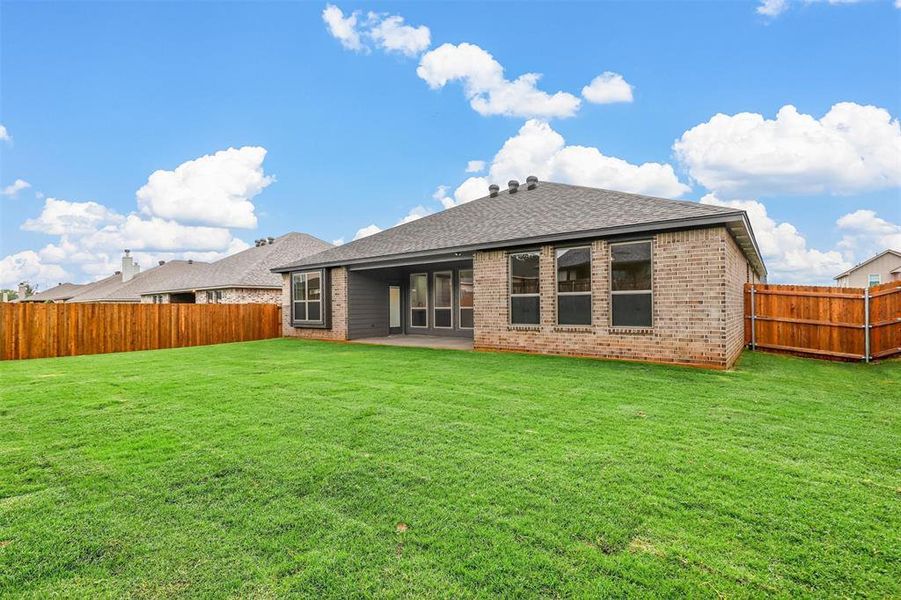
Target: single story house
{"type": "Point", "coordinates": [882, 268]}
{"type": "Point", "coordinates": [129, 284]}
{"type": "Point", "coordinates": [544, 267]}
{"type": "Point", "coordinates": [244, 277]}
{"type": "Point", "coordinates": [58, 293]}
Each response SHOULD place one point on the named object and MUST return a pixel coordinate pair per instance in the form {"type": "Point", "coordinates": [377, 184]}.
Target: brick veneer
{"type": "Point", "coordinates": [338, 329]}
{"type": "Point", "coordinates": [243, 296]}
{"type": "Point", "coordinates": [697, 314]}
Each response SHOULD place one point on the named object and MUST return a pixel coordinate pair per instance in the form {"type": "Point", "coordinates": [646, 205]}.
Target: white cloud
{"type": "Point", "coordinates": [417, 212]}
{"type": "Point", "coordinates": [28, 266]}
{"type": "Point", "coordinates": [387, 32]}
{"type": "Point", "coordinates": [4, 135]}
{"type": "Point", "coordinates": [343, 29]}
{"type": "Point", "coordinates": [338, 242]}
{"type": "Point", "coordinates": [607, 88]}
{"type": "Point", "coordinates": [215, 189]}
{"type": "Point", "coordinates": [15, 187]}
{"type": "Point", "coordinates": [367, 231]}
{"type": "Point", "coordinates": [772, 8]}
{"type": "Point", "coordinates": [477, 166]}
{"type": "Point", "coordinates": [486, 88]}
{"type": "Point", "coordinates": [61, 217]}
{"type": "Point", "coordinates": [539, 150]}
{"type": "Point", "coordinates": [392, 35]}
{"type": "Point", "coordinates": [784, 249]}
{"type": "Point", "coordinates": [155, 233]}
{"type": "Point", "coordinates": [866, 234]}
{"type": "Point", "coordinates": [851, 149]}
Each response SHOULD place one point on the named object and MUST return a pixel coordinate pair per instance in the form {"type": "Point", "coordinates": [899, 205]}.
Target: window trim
{"type": "Point", "coordinates": [558, 293]}
{"type": "Point", "coordinates": [426, 309]}
{"type": "Point", "coordinates": [631, 292]}
{"type": "Point", "coordinates": [511, 295]}
{"type": "Point", "coordinates": [460, 307]}
{"type": "Point", "coordinates": [435, 306]}
{"type": "Point", "coordinates": [870, 276]}
{"type": "Point", "coordinates": [324, 292]}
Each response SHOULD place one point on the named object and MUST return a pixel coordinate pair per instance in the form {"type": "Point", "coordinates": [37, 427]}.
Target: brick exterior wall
{"type": "Point", "coordinates": [697, 313]}
{"type": "Point", "coordinates": [243, 296]}
{"type": "Point", "coordinates": [338, 329]}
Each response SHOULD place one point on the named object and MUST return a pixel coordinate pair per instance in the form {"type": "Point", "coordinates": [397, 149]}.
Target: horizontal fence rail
{"type": "Point", "coordinates": [828, 322]}
{"type": "Point", "coordinates": [48, 330]}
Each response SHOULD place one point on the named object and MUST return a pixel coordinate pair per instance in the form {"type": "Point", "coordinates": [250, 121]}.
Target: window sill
{"type": "Point", "coordinates": [309, 325]}
{"type": "Point", "coordinates": [523, 327]}
{"type": "Point", "coordinates": [574, 328]}
{"type": "Point", "coordinates": [631, 330]}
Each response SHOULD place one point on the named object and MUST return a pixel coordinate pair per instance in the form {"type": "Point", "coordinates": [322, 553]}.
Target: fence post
{"type": "Point", "coordinates": [753, 321]}
{"type": "Point", "coordinates": [866, 324]}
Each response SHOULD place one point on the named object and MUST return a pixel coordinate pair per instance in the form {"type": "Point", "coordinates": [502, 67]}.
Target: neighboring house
{"type": "Point", "coordinates": [882, 268]}
{"type": "Point", "coordinates": [244, 277]}
{"type": "Point", "coordinates": [58, 293]}
{"type": "Point", "coordinates": [544, 267]}
{"type": "Point", "coordinates": [129, 284]}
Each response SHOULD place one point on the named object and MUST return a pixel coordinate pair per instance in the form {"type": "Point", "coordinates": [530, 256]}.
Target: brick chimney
{"type": "Point", "coordinates": [128, 267]}
{"type": "Point", "coordinates": [23, 290]}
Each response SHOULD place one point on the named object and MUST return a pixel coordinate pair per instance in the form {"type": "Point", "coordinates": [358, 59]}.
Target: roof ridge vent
{"type": "Point", "coordinates": [531, 182]}
{"type": "Point", "coordinates": [493, 189]}
{"type": "Point", "coordinates": [513, 186]}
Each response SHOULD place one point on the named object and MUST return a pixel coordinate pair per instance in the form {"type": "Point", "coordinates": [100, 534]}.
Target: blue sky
{"type": "Point", "coordinates": [339, 135]}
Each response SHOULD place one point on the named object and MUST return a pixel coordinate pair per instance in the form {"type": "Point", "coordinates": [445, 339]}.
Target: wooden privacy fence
{"type": "Point", "coordinates": [832, 322]}
{"type": "Point", "coordinates": [46, 330]}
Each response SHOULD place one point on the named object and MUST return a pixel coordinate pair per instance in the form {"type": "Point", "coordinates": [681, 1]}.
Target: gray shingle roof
{"type": "Point", "coordinates": [548, 211]}
{"type": "Point", "coordinates": [112, 289]}
{"type": "Point", "coordinates": [63, 291]}
{"type": "Point", "coordinates": [249, 268]}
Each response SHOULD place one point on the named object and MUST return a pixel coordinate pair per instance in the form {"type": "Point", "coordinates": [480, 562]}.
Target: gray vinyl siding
{"type": "Point", "coordinates": [367, 302]}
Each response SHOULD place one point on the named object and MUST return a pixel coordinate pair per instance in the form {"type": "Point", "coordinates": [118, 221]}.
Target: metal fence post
{"type": "Point", "coordinates": [866, 324]}
{"type": "Point", "coordinates": [753, 321]}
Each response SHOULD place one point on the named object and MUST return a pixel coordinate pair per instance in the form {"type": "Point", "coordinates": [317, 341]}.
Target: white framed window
{"type": "Point", "coordinates": [419, 300]}
{"type": "Point", "coordinates": [874, 279]}
{"type": "Point", "coordinates": [631, 277]}
{"type": "Point", "coordinates": [574, 286]}
{"type": "Point", "coordinates": [466, 297]}
{"type": "Point", "coordinates": [443, 302]}
{"type": "Point", "coordinates": [306, 297]}
{"type": "Point", "coordinates": [157, 298]}
{"type": "Point", "coordinates": [525, 299]}
{"type": "Point", "coordinates": [214, 296]}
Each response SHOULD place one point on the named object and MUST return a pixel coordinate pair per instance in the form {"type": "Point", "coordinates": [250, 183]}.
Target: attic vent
{"type": "Point", "coordinates": [270, 239]}
{"type": "Point", "coordinates": [493, 189]}
{"type": "Point", "coordinates": [513, 186]}
{"type": "Point", "coordinates": [190, 261]}
{"type": "Point", "coordinates": [162, 262]}
{"type": "Point", "coordinates": [531, 182]}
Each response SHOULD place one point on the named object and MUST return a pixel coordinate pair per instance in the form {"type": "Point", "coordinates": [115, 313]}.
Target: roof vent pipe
{"type": "Point", "coordinates": [531, 182]}
{"type": "Point", "coordinates": [493, 189]}
{"type": "Point", "coordinates": [513, 186]}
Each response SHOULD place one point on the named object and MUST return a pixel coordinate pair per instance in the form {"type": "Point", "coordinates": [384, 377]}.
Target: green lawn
{"type": "Point", "coordinates": [290, 467]}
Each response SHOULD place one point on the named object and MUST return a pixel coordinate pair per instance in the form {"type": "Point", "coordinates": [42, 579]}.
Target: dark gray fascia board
{"type": "Point", "coordinates": [592, 233]}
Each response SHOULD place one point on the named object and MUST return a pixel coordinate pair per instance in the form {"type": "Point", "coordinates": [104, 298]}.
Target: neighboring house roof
{"type": "Point", "coordinates": [112, 289]}
{"type": "Point", "coordinates": [550, 212]}
{"type": "Point", "coordinates": [249, 268]}
{"type": "Point", "coordinates": [63, 291]}
{"type": "Point", "coordinates": [868, 261]}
